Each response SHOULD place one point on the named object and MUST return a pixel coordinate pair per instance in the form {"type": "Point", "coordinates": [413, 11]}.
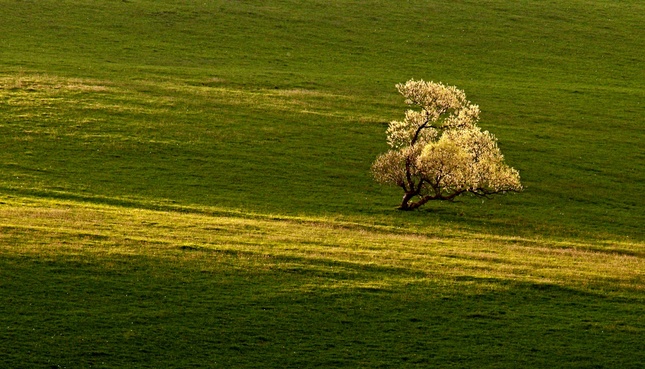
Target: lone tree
{"type": "Point", "coordinates": [438, 152]}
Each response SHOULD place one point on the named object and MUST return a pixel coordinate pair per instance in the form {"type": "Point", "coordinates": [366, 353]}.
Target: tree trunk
{"type": "Point", "coordinates": [405, 202]}
{"type": "Point", "coordinates": [407, 205]}
{"type": "Point", "coordinates": [421, 201]}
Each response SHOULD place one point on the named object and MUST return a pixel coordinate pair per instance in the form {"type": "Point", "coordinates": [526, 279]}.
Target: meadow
{"type": "Point", "coordinates": [187, 184]}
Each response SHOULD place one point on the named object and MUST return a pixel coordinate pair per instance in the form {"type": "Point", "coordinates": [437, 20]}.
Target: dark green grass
{"type": "Point", "coordinates": [560, 84]}
{"type": "Point", "coordinates": [152, 313]}
{"type": "Point", "coordinates": [276, 110]}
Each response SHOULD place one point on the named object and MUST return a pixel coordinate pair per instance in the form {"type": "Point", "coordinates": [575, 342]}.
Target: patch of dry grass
{"type": "Point", "coordinates": [34, 82]}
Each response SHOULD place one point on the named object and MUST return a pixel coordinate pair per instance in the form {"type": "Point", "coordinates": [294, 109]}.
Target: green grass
{"type": "Point", "coordinates": [187, 183]}
{"type": "Point", "coordinates": [108, 287]}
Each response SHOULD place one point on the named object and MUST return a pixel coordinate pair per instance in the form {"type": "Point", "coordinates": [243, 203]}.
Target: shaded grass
{"type": "Point", "coordinates": [107, 287]}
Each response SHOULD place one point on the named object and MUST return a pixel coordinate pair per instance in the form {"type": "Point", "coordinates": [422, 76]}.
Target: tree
{"type": "Point", "coordinates": [438, 152]}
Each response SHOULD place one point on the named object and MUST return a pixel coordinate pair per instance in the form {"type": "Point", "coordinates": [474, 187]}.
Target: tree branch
{"type": "Point", "coordinates": [418, 131]}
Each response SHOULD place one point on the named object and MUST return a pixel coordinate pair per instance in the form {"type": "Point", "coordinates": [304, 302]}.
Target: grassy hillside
{"type": "Point", "coordinates": [271, 107]}
{"type": "Point", "coordinates": [98, 286]}
{"type": "Point", "coordinates": [200, 171]}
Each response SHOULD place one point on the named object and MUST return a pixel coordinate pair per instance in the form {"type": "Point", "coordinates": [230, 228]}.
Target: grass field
{"type": "Point", "coordinates": [187, 184]}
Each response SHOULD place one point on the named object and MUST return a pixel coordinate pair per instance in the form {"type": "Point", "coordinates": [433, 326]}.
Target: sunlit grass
{"type": "Point", "coordinates": [63, 132]}
{"type": "Point", "coordinates": [107, 285]}
{"type": "Point", "coordinates": [426, 254]}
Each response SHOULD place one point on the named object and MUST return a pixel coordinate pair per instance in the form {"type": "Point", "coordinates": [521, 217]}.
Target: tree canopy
{"type": "Point", "coordinates": [438, 152]}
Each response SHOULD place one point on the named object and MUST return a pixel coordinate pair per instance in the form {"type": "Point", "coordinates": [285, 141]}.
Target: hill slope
{"type": "Point", "coordinates": [271, 107]}
{"type": "Point", "coordinates": [187, 183]}
{"type": "Point", "coordinates": [87, 285]}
